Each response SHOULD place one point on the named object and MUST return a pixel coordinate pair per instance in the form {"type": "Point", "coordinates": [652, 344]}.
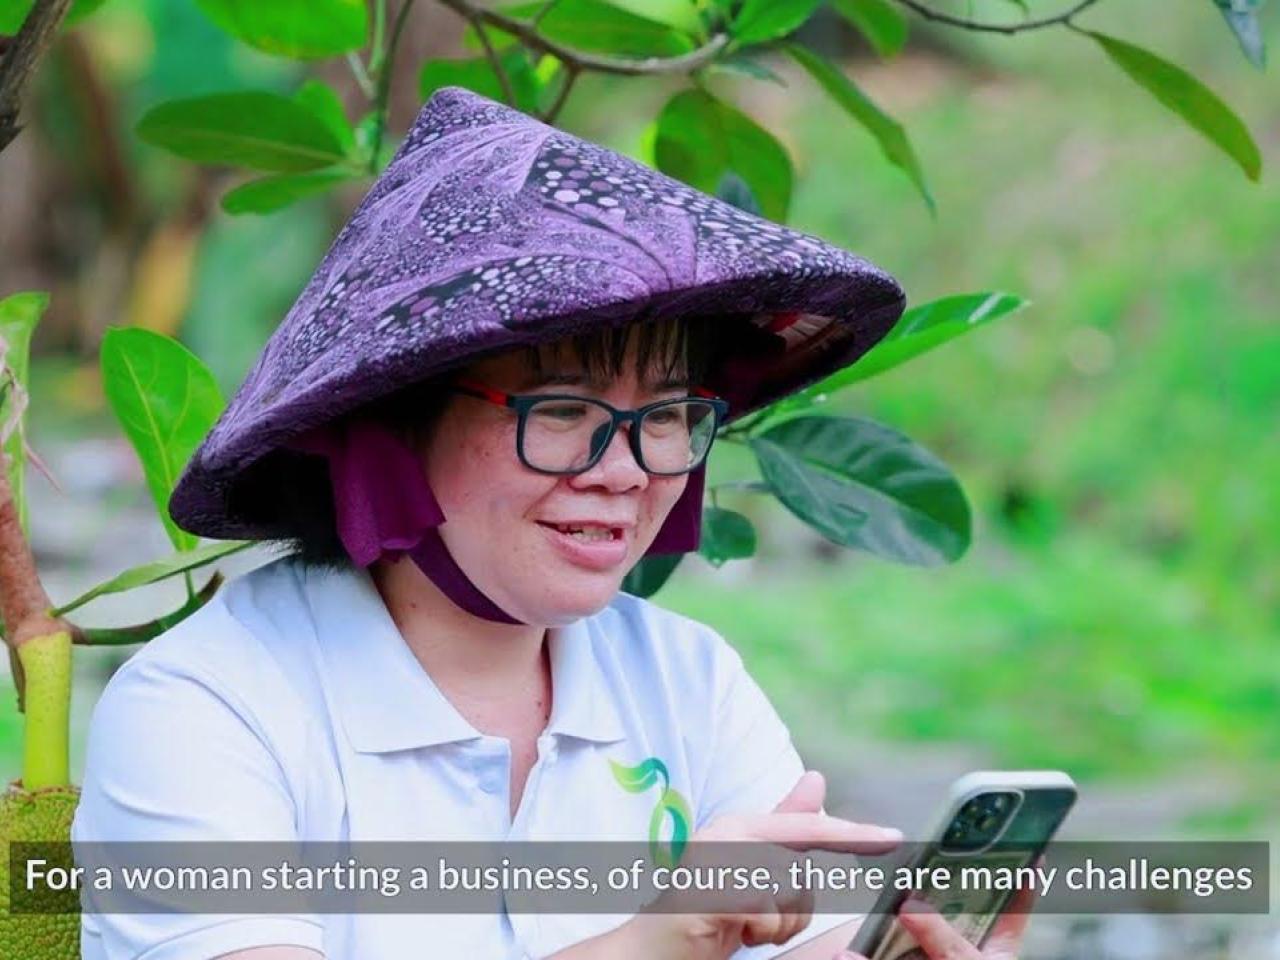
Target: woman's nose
{"type": "Point", "coordinates": [617, 467]}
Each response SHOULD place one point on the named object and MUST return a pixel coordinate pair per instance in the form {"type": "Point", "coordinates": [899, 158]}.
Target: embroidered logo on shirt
{"type": "Point", "coordinates": [671, 807]}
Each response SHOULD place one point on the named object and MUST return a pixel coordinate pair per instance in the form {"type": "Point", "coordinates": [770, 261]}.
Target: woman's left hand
{"type": "Point", "coordinates": [939, 940]}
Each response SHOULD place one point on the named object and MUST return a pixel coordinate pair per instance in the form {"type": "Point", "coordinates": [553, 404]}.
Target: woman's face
{"type": "Point", "coordinates": [501, 517]}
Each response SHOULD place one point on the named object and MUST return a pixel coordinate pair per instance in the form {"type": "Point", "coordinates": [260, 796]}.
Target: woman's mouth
{"type": "Point", "coordinates": [593, 546]}
{"type": "Point", "coordinates": [588, 532]}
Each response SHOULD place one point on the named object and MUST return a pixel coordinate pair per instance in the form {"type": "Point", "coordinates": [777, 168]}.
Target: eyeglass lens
{"type": "Point", "coordinates": [566, 435]}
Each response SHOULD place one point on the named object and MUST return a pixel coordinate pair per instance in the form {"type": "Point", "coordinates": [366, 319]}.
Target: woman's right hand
{"type": "Point", "coordinates": [749, 918]}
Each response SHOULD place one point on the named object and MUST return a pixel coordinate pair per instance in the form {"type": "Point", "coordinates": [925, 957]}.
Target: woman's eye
{"type": "Point", "coordinates": [561, 411]}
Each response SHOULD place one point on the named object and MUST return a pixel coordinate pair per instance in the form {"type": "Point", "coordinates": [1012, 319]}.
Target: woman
{"type": "Point", "coordinates": [495, 396]}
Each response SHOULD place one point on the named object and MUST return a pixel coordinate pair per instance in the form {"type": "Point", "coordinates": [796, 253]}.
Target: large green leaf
{"type": "Point", "coordinates": [759, 21]}
{"type": "Point", "coordinates": [477, 74]}
{"type": "Point", "coordinates": [647, 577]}
{"type": "Point", "coordinates": [323, 101]}
{"type": "Point", "coordinates": [681, 14]}
{"type": "Point", "coordinates": [13, 12]}
{"type": "Point", "coordinates": [726, 535]}
{"type": "Point", "coordinates": [19, 315]}
{"type": "Point", "coordinates": [154, 572]}
{"type": "Point", "coordinates": [1189, 98]}
{"type": "Point", "coordinates": [700, 139]}
{"type": "Point", "coordinates": [303, 29]}
{"type": "Point", "coordinates": [888, 132]}
{"type": "Point", "coordinates": [166, 400]}
{"type": "Point", "coordinates": [917, 331]}
{"type": "Point", "coordinates": [253, 129]}
{"type": "Point", "coordinates": [863, 485]}
{"type": "Point", "coordinates": [1242, 17]}
{"type": "Point", "coordinates": [880, 21]}
{"type": "Point", "coordinates": [733, 189]}
{"type": "Point", "coordinates": [596, 26]}
{"type": "Point", "coordinates": [268, 194]}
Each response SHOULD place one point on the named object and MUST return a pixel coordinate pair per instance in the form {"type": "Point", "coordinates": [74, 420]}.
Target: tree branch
{"type": "Point", "coordinates": [142, 632]}
{"type": "Point", "coordinates": [495, 61]}
{"type": "Point", "coordinates": [529, 36]}
{"type": "Point", "coordinates": [929, 13]}
{"type": "Point", "coordinates": [383, 76]}
{"type": "Point", "coordinates": [570, 75]}
{"type": "Point", "coordinates": [19, 61]}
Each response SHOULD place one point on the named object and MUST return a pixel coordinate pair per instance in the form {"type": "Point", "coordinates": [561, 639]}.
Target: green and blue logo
{"type": "Point", "coordinates": [671, 808]}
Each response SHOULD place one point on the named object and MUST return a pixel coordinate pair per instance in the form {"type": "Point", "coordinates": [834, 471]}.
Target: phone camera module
{"type": "Point", "coordinates": [979, 821]}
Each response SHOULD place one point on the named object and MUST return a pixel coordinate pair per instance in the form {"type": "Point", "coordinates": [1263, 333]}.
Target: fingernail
{"type": "Point", "coordinates": [890, 833]}
{"type": "Point", "coordinates": [915, 905]}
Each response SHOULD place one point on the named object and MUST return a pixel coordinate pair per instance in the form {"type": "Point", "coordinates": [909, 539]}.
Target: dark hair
{"type": "Point", "coordinates": [290, 493]}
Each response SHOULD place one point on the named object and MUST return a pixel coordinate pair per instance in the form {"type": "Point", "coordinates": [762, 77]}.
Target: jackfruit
{"type": "Point", "coordinates": [42, 815]}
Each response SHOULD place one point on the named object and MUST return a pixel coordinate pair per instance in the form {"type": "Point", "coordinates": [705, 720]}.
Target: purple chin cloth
{"type": "Point", "coordinates": [384, 507]}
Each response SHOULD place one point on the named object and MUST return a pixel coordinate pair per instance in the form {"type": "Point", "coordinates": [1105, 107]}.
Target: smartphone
{"type": "Point", "coordinates": [992, 818]}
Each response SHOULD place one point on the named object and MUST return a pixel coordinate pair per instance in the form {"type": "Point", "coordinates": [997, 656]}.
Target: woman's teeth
{"type": "Point", "coordinates": [593, 534]}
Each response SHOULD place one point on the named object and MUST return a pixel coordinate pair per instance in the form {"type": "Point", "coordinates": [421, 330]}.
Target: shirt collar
{"type": "Point", "coordinates": [387, 701]}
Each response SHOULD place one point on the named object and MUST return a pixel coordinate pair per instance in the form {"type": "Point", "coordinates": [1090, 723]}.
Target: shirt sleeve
{"type": "Point", "coordinates": [172, 757]}
{"type": "Point", "coordinates": [754, 765]}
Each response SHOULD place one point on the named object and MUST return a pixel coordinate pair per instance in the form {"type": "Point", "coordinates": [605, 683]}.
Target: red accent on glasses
{"type": "Point", "coordinates": [490, 394]}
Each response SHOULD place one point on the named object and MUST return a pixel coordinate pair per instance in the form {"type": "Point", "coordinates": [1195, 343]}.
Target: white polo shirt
{"type": "Point", "coordinates": [290, 707]}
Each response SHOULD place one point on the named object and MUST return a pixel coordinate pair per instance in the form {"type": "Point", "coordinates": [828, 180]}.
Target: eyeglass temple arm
{"type": "Point", "coordinates": [475, 389]}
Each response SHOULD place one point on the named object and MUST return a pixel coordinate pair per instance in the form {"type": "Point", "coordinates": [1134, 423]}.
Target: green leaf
{"type": "Point", "coordinates": [1242, 17]}
{"type": "Point", "coordinates": [267, 194]}
{"type": "Point", "coordinates": [154, 572]}
{"type": "Point", "coordinates": [759, 21]}
{"type": "Point", "coordinates": [917, 331]}
{"type": "Point", "coordinates": [477, 74]}
{"type": "Point", "coordinates": [1189, 98]}
{"type": "Point", "coordinates": [743, 64]}
{"type": "Point", "coordinates": [647, 577]}
{"type": "Point", "coordinates": [879, 21]}
{"type": "Point", "coordinates": [166, 400]}
{"type": "Point", "coordinates": [14, 12]}
{"type": "Point", "coordinates": [323, 101]}
{"type": "Point", "coordinates": [863, 485]}
{"type": "Point", "coordinates": [733, 189]}
{"type": "Point", "coordinates": [726, 535]}
{"type": "Point", "coordinates": [680, 14]}
{"type": "Point", "coordinates": [303, 29]}
{"type": "Point", "coordinates": [253, 129]}
{"type": "Point", "coordinates": [596, 26]}
{"type": "Point", "coordinates": [930, 325]}
{"type": "Point", "coordinates": [887, 131]}
{"type": "Point", "coordinates": [700, 139]}
{"type": "Point", "coordinates": [19, 314]}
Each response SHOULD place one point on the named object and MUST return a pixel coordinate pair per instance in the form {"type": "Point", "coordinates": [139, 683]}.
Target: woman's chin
{"type": "Point", "coordinates": [565, 605]}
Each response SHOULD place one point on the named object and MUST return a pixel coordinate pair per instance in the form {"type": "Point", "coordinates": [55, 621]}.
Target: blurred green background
{"type": "Point", "coordinates": [1119, 612]}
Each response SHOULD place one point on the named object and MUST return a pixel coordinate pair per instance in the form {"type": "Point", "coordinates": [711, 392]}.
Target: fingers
{"type": "Point", "coordinates": [810, 831]}
{"type": "Point", "coordinates": [781, 918]}
{"type": "Point", "coordinates": [806, 796]}
{"type": "Point", "coordinates": [936, 937]}
{"type": "Point", "coordinates": [1006, 935]}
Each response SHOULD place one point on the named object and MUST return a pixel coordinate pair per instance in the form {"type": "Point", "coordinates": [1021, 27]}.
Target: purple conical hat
{"type": "Point", "coordinates": [490, 230]}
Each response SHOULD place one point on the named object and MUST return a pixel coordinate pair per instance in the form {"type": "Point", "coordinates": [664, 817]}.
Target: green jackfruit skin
{"type": "Point", "coordinates": [35, 816]}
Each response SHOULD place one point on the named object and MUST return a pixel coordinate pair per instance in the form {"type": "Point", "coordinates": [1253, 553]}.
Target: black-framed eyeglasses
{"type": "Point", "coordinates": [565, 434]}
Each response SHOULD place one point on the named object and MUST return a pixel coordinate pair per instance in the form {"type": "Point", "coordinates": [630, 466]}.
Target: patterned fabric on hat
{"type": "Point", "coordinates": [491, 230]}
